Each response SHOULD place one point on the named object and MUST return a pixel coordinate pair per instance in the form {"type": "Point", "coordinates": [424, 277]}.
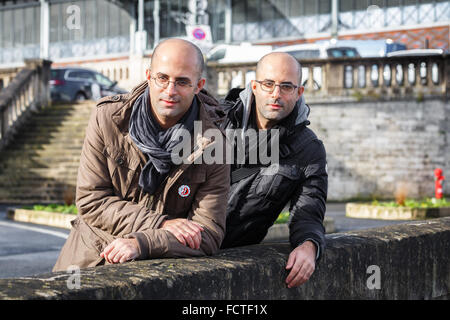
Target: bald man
{"type": "Point", "coordinates": [273, 104]}
{"type": "Point", "coordinates": [133, 200]}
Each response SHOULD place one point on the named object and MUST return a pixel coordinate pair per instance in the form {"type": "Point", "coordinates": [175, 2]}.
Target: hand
{"type": "Point", "coordinates": [302, 262]}
{"type": "Point", "coordinates": [121, 250]}
{"type": "Point", "coordinates": [186, 231]}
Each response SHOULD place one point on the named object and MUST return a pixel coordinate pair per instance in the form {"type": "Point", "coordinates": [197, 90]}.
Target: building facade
{"type": "Point", "coordinates": [93, 32]}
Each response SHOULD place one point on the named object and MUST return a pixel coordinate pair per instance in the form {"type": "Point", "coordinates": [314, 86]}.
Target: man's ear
{"type": "Point", "coordinates": [148, 74]}
{"type": "Point", "coordinates": [300, 89]}
{"type": "Point", "coordinates": [253, 86]}
{"type": "Point", "coordinates": [200, 85]}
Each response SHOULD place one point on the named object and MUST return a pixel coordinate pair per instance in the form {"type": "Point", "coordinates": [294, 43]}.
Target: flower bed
{"type": "Point", "coordinates": [411, 210]}
{"type": "Point", "coordinates": [60, 217]}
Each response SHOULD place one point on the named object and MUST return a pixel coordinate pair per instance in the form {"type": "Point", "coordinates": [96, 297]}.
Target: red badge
{"type": "Point", "coordinates": [184, 191]}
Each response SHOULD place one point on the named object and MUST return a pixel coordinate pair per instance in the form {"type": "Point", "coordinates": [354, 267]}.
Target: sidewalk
{"type": "Point", "coordinates": [343, 223]}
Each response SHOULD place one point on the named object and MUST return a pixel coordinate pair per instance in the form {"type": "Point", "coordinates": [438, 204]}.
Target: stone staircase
{"type": "Point", "coordinates": [40, 165]}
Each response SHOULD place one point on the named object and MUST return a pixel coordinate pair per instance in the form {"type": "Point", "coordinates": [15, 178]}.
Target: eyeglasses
{"type": "Point", "coordinates": [269, 86]}
{"type": "Point", "coordinates": [163, 82]}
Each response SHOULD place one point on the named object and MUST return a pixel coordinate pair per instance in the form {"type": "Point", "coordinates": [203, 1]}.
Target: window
{"type": "Point", "coordinates": [410, 2]}
{"type": "Point", "coordinates": [80, 75]}
{"type": "Point", "coordinates": [324, 6]}
{"type": "Point", "coordinates": [342, 52]}
{"type": "Point", "coordinates": [351, 53]}
{"type": "Point", "coordinates": [55, 74]}
{"type": "Point", "coordinates": [310, 8]}
{"type": "Point", "coordinates": [219, 54]}
{"type": "Point", "coordinates": [296, 9]}
{"type": "Point", "coordinates": [29, 26]}
{"type": "Point", "coordinates": [238, 14]}
{"type": "Point", "coordinates": [335, 53]}
{"type": "Point", "coordinates": [18, 27]}
{"type": "Point", "coordinates": [55, 28]}
{"type": "Point", "coordinates": [102, 80]}
{"type": "Point", "coordinates": [345, 5]}
{"type": "Point", "coordinates": [393, 3]}
{"type": "Point", "coordinates": [7, 29]}
{"type": "Point", "coordinates": [379, 3]}
{"type": "Point", "coordinates": [360, 5]}
{"type": "Point", "coordinates": [305, 54]}
{"type": "Point", "coordinates": [90, 23]}
{"type": "Point", "coordinates": [253, 11]}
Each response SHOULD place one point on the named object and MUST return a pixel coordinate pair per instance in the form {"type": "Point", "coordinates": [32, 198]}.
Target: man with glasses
{"type": "Point", "coordinates": [259, 192]}
{"type": "Point", "coordinates": [133, 201]}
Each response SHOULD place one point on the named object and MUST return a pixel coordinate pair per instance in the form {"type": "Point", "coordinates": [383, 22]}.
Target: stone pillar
{"type": "Point", "coordinates": [42, 88]}
{"type": "Point", "coordinates": [446, 80]}
{"type": "Point", "coordinates": [156, 20]}
{"type": "Point", "coordinates": [334, 19]}
{"type": "Point", "coordinates": [137, 62]}
{"type": "Point", "coordinates": [141, 34]}
{"type": "Point", "coordinates": [45, 30]}
{"type": "Point", "coordinates": [132, 30]}
{"type": "Point", "coordinates": [228, 22]}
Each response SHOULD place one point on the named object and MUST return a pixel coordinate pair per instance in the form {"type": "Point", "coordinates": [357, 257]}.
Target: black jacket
{"type": "Point", "coordinates": [301, 181]}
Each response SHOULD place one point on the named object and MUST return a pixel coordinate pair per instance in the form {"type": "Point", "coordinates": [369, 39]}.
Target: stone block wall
{"type": "Point", "coordinates": [374, 148]}
{"type": "Point", "coordinates": [405, 261]}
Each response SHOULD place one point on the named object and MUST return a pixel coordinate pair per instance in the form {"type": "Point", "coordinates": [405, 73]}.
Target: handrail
{"type": "Point", "coordinates": [354, 79]}
{"type": "Point", "coordinates": [28, 92]}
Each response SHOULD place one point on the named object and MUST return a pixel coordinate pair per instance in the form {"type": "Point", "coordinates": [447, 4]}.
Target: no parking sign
{"type": "Point", "coordinates": [200, 35]}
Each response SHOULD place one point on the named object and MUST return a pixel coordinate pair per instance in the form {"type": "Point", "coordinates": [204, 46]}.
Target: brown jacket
{"type": "Point", "coordinates": [112, 205]}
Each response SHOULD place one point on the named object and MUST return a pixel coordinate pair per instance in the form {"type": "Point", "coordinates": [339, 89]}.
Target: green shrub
{"type": "Point", "coordinates": [283, 217]}
{"type": "Point", "coordinates": [411, 203]}
{"type": "Point", "coordinates": [60, 208]}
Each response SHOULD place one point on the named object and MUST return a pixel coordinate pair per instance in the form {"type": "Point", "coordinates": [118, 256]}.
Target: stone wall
{"type": "Point", "coordinates": [405, 261]}
{"type": "Point", "coordinates": [373, 148]}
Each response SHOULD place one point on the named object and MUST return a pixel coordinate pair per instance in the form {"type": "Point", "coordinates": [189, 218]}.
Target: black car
{"type": "Point", "coordinates": [77, 84]}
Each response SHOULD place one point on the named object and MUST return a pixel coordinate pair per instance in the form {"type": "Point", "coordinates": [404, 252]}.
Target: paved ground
{"type": "Point", "coordinates": [28, 249]}
{"type": "Point", "coordinates": [342, 223]}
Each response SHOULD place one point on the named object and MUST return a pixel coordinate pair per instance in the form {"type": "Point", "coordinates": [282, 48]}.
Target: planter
{"type": "Point", "coordinates": [367, 211]}
{"type": "Point", "coordinates": [52, 219]}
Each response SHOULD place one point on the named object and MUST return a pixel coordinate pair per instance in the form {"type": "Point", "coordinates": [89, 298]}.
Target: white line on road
{"type": "Point", "coordinates": [35, 229]}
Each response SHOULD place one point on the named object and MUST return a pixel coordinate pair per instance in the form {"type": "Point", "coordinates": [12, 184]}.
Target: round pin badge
{"type": "Point", "coordinates": [184, 191]}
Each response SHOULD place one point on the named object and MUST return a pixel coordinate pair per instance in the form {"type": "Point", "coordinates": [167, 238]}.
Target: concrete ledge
{"type": "Point", "coordinates": [367, 211]}
{"type": "Point", "coordinates": [413, 261]}
{"type": "Point", "coordinates": [53, 219]}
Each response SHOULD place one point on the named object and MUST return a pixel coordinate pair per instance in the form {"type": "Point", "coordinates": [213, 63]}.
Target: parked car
{"type": "Point", "coordinates": [75, 84]}
{"type": "Point", "coordinates": [369, 48]}
{"type": "Point", "coordinates": [237, 53]}
{"type": "Point", "coordinates": [416, 52]}
{"type": "Point", "coordinates": [319, 51]}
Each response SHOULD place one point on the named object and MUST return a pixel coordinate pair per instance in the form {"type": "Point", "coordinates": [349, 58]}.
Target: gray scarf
{"type": "Point", "coordinates": [157, 144]}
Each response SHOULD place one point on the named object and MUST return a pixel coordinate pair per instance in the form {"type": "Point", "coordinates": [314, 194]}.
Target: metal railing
{"type": "Point", "coordinates": [28, 92]}
{"type": "Point", "coordinates": [352, 79]}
